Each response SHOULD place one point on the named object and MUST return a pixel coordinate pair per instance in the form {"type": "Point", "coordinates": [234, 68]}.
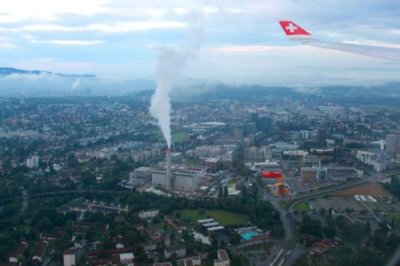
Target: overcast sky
{"type": "Point", "coordinates": [242, 39]}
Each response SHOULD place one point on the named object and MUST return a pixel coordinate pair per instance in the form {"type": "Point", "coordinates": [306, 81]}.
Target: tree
{"type": "Point", "coordinates": [330, 230]}
{"type": "Point", "coordinates": [367, 227]}
{"type": "Point", "coordinates": [44, 225]}
{"type": "Point", "coordinates": [244, 192]}
{"type": "Point", "coordinates": [277, 231]}
{"type": "Point", "coordinates": [225, 192]}
{"type": "Point", "coordinates": [9, 210]}
{"type": "Point", "coordinates": [220, 191]}
{"type": "Point", "coordinates": [3, 252]}
{"type": "Point", "coordinates": [310, 226]}
{"type": "Point", "coordinates": [234, 239]}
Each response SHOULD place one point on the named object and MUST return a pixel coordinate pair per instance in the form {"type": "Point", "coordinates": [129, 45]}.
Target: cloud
{"type": "Point", "coordinates": [7, 45]}
{"type": "Point", "coordinates": [136, 26]}
{"type": "Point", "coordinates": [373, 43]}
{"type": "Point", "coordinates": [55, 65]}
{"type": "Point", "coordinates": [246, 49]}
{"type": "Point", "coordinates": [119, 27]}
{"type": "Point", "coordinates": [180, 10]}
{"type": "Point", "coordinates": [242, 42]}
{"type": "Point", "coordinates": [71, 42]}
{"type": "Point", "coordinates": [31, 39]}
{"type": "Point", "coordinates": [22, 10]}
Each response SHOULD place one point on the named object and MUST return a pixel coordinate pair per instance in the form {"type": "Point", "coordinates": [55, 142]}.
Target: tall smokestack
{"type": "Point", "coordinates": [168, 173]}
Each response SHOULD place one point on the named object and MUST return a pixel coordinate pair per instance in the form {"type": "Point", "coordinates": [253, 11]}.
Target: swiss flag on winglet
{"type": "Point", "coordinates": [290, 28]}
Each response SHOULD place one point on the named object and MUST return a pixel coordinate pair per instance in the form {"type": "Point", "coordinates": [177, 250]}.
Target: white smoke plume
{"type": "Point", "coordinates": [170, 64]}
{"type": "Point", "coordinates": [75, 85]}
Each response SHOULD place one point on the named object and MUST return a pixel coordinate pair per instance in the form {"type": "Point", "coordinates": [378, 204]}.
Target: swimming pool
{"type": "Point", "coordinates": [248, 235]}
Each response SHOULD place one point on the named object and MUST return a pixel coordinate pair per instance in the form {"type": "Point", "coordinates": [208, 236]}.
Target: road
{"type": "Point", "coordinates": [395, 260]}
{"type": "Point", "coordinates": [284, 252]}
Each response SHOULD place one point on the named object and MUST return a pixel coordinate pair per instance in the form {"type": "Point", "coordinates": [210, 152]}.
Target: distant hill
{"type": "Point", "coordinates": [6, 71]}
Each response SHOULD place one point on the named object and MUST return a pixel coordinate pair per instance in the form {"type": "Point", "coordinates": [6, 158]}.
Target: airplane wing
{"type": "Point", "coordinates": [296, 33]}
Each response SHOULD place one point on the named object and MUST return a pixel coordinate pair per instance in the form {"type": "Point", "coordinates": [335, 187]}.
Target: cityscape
{"type": "Point", "coordinates": [199, 133]}
{"type": "Point", "coordinates": [257, 177]}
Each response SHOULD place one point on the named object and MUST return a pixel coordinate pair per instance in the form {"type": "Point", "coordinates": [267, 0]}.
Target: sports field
{"type": "Point", "coordinates": [179, 136]}
{"type": "Point", "coordinates": [223, 217]}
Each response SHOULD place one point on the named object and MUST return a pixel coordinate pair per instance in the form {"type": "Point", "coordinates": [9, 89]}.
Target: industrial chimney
{"type": "Point", "coordinates": [168, 173]}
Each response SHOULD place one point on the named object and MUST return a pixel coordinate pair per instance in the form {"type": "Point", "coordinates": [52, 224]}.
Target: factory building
{"type": "Point", "coordinates": [333, 174]}
{"type": "Point", "coordinates": [341, 174]}
{"type": "Point", "coordinates": [140, 175]}
{"type": "Point", "coordinates": [313, 174]}
{"type": "Point", "coordinates": [180, 180]}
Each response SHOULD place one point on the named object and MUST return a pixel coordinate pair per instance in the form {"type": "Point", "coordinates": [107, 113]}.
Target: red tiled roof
{"type": "Point", "coordinates": [110, 252]}
{"type": "Point", "coordinates": [107, 261]}
{"type": "Point", "coordinates": [40, 249]}
{"type": "Point", "coordinates": [19, 250]}
{"type": "Point", "coordinates": [69, 251]}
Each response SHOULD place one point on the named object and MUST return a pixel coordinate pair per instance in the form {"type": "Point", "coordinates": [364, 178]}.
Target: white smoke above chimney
{"type": "Point", "coordinates": [75, 84]}
{"type": "Point", "coordinates": [171, 62]}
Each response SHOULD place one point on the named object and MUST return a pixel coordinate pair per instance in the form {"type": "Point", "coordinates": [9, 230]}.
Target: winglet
{"type": "Point", "coordinates": [291, 29]}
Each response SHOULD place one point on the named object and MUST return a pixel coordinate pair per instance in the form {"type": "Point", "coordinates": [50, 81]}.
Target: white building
{"type": "Point", "coordinates": [69, 257]}
{"type": "Point", "coordinates": [32, 162]}
{"type": "Point", "coordinates": [304, 134]}
{"type": "Point", "coordinates": [223, 258]}
{"type": "Point", "coordinates": [148, 214]}
{"type": "Point", "coordinates": [126, 258]}
{"type": "Point", "coordinates": [193, 261]}
{"type": "Point", "coordinates": [373, 159]}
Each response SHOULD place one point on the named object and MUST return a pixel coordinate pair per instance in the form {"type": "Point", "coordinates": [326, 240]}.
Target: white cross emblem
{"type": "Point", "coordinates": [291, 28]}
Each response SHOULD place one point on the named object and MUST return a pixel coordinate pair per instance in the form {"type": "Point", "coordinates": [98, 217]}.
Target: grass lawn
{"type": "Point", "coordinates": [393, 216]}
{"type": "Point", "coordinates": [223, 217]}
{"type": "Point", "coordinates": [302, 207]}
{"type": "Point", "coordinates": [179, 136]}
{"type": "Point", "coordinates": [228, 218]}
{"type": "Point", "coordinates": [192, 215]}
{"type": "Point", "coordinates": [193, 161]}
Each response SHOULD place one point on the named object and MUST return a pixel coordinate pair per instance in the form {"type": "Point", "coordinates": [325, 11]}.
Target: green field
{"type": "Point", "coordinates": [223, 217]}
{"type": "Point", "coordinates": [302, 207]}
{"type": "Point", "coordinates": [179, 136]}
{"type": "Point", "coordinates": [191, 215]}
{"type": "Point", "coordinates": [393, 217]}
